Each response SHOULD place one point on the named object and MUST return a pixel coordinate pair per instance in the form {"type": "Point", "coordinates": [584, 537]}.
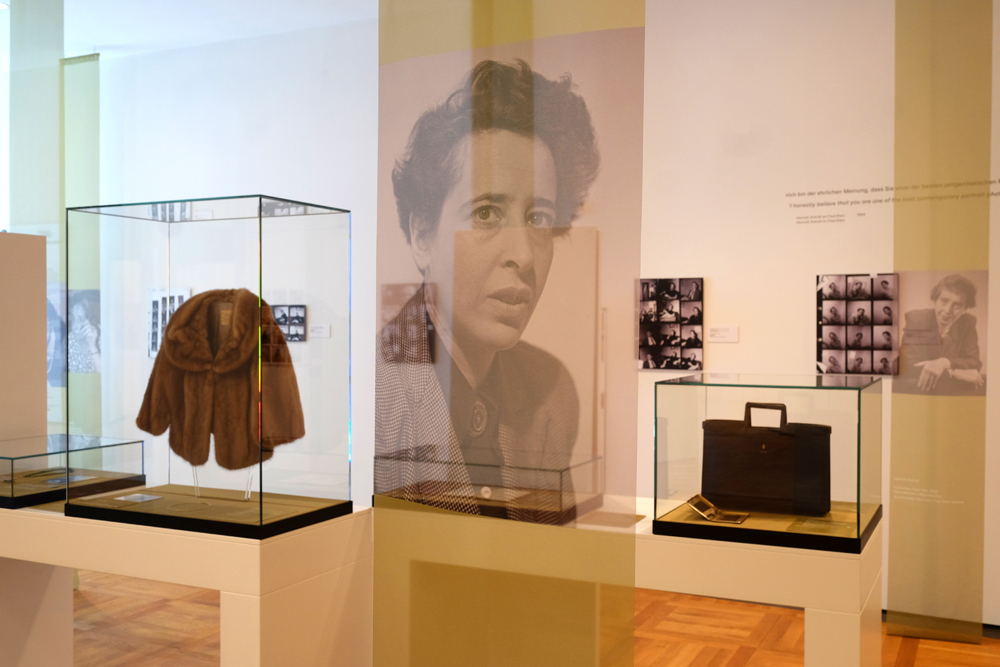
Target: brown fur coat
{"type": "Point", "coordinates": [205, 381]}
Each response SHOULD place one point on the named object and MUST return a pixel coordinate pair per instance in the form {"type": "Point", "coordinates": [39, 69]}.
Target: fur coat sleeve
{"type": "Point", "coordinates": [208, 380]}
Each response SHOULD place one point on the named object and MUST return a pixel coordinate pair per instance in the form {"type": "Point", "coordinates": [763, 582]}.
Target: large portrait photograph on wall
{"type": "Point", "coordinates": [499, 170]}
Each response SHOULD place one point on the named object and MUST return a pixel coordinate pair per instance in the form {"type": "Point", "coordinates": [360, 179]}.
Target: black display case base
{"type": "Point", "coordinates": [231, 529]}
{"type": "Point", "coordinates": [59, 493]}
{"type": "Point", "coordinates": [771, 538]}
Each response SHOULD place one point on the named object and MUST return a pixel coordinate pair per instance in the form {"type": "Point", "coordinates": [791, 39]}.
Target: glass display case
{"type": "Point", "coordinates": [554, 496]}
{"type": "Point", "coordinates": [46, 469]}
{"type": "Point", "coordinates": [218, 330]}
{"type": "Point", "coordinates": [792, 461]}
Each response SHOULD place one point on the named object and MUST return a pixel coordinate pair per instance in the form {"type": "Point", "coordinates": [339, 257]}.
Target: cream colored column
{"type": "Point", "coordinates": [22, 345]}
{"type": "Point", "coordinates": [942, 135]}
{"type": "Point", "coordinates": [325, 621]}
{"type": "Point", "coordinates": [81, 86]}
{"type": "Point", "coordinates": [36, 617]}
{"type": "Point", "coordinates": [836, 639]}
{"type": "Point", "coordinates": [239, 630]}
{"type": "Point", "coordinates": [314, 607]}
{"type": "Point", "coordinates": [36, 600]}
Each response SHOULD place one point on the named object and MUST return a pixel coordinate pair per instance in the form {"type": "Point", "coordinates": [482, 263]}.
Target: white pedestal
{"type": "Point", "coordinates": [841, 593]}
{"type": "Point", "coordinates": [302, 598]}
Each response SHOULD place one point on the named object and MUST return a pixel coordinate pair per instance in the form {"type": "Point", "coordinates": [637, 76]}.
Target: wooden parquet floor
{"type": "Point", "coordinates": [120, 621]}
{"type": "Point", "coordinates": [675, 630]}
{"type": "Point", "coordinates": [124, 622]}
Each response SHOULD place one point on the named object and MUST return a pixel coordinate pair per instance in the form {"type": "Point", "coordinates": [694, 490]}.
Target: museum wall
{"type": "Point", "coordinates": [291, 115]}
{"type": "Point", "coordinates": [743, 107]}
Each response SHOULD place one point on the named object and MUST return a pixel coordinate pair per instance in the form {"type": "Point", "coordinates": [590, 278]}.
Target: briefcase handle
{"type": "Point", "coordinates": [766, 406]}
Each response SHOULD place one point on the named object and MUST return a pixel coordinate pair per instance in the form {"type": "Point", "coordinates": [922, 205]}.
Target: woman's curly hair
{"type": "Point", "coordinates": [496, 96]}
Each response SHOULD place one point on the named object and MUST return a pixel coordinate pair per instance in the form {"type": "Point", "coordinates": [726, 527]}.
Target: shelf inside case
{"type": "Point", "coordinates": [721, 436]}
{"type": "Point", "coordinates": [50, 468]}
{"type": "Point", "coordinates": [552, 496]}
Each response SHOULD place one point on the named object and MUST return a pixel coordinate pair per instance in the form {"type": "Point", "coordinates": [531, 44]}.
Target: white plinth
{"type": "Point", "coordinates": [302, 598]}
{"type": "Point", "coordinates": [841, 593]}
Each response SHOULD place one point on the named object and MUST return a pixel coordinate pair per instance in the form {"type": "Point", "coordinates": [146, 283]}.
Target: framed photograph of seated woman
{"type": "Point", "coordinates": [855, 323]}
{"type": "Point", "coordinates": [942, 333]}
{"type": "Point", "coordinates": [671, 314]}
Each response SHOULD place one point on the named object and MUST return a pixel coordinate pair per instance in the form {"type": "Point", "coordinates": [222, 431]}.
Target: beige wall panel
{"type": "Point", "coordinates": [22, 340]}
{"type": "Point", "coordinates": [942, 136]}
{"type": "Point", "coordinates": [36, 614]}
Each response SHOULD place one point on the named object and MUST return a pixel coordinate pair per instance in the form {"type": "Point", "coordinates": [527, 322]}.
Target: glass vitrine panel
{"type": "Point", "coordinates": [219, 331]}
{"type": "Point", "coordinates": [779, 460]}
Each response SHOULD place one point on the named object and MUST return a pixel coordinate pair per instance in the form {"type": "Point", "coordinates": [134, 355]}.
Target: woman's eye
{"type": "Point", "coordinates": [486, 217]}
{"type": "Point", "coordinates": [540, 220]}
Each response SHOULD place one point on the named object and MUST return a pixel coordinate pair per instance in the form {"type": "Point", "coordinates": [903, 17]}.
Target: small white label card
{"type": "Point", "coordinates": [723, 335]}
{"type": "Point", "coordinates": [319, 330]}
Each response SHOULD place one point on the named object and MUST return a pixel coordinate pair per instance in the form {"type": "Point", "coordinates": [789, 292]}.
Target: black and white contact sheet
{"type": "Point", "coordinates": [855, 324]}
{"type": "Point", "coordinates": [671, 319]}
{"type": "Point", "coordinates": [162, 304]}
{"type": "Point", "coordinates": [292, 321]}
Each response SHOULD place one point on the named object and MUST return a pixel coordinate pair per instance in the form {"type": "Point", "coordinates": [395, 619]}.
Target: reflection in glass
{"type": "Point", "coordinates": [466, 410]}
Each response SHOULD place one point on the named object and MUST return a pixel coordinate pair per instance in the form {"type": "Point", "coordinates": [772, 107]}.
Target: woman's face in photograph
{"type": "Point", "coordinates": [948, 307]}
{"type": "Point", "coordinates": [79, 313]}
{"type": "Point", "coordinates": [492, 250]}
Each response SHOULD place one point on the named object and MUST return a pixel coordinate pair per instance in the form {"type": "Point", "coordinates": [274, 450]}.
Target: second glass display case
{"type": "Point", "coordinates": [555, 496]}
{"type": "Point", "coordinates": [218, 330]}
{"type": "Point", "coordinates": [46, 469]}
{"type": "Point", "coordinates": [793, 461]}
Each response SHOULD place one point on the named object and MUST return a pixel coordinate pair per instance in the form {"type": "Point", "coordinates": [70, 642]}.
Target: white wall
{"type": "Point", "coordinates": [747, 101]}
{"type": "Point", "coordinates": [292, 115]}
{"type": "Point", "coordinates": [744, 103]}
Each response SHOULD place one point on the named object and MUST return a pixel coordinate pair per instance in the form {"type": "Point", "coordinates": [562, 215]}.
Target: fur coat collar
{"type": "Point", "coordinates": [206, 381]}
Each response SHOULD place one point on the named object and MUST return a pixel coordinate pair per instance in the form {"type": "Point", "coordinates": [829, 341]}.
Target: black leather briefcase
{"type": "Point", "coordinates": [783, 470]}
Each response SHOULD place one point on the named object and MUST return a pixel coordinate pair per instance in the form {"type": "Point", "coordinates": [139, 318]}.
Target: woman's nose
{"type": "Point", "coordinates": [518, 249]}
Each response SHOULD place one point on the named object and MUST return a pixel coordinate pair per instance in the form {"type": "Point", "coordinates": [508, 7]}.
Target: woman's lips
{"type": "Point", "coordinates": [512, 295]}
{"type": "Point", "coordinates": [511, 302]}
